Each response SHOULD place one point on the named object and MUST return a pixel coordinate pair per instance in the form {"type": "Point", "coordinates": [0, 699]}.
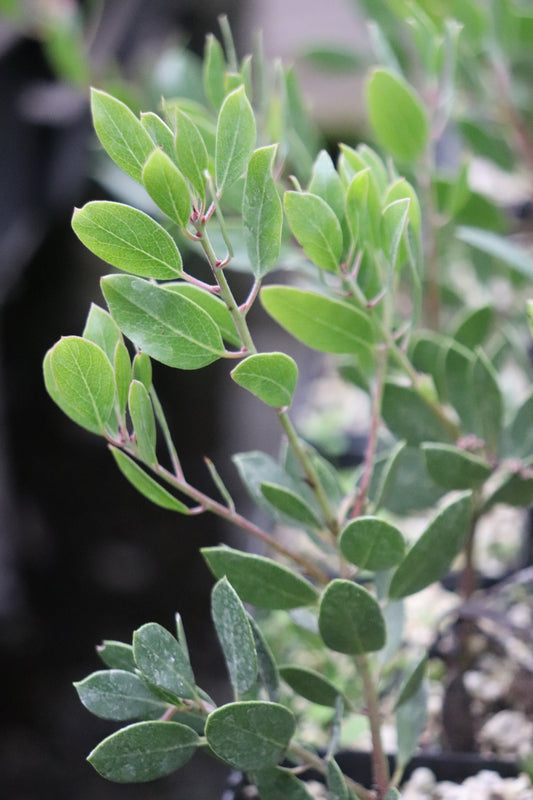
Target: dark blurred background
{"type": "Point", "coordinates": [82, 556]}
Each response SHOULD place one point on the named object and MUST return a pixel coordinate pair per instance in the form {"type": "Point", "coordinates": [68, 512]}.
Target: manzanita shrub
{"type": "Point", "coordinates": [360, 257]}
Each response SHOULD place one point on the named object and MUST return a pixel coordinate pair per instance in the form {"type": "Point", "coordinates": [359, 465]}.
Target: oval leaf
{"type": "Point", "coordinates": [116, 655]}
{"type": "Point", "coordinates": [235, 138]}
{"type": "Point", "coordinates": [80, 379]}
{"type": "Point", "coordinates": [235, 636]}
{"type": "Point", "coordinates": [167, 187]}
{"type": "Point", "coordinates": [315, 227]}
{"type": "Point", "coordinates": [289, 503]}
{"type": "Point", "coordinates": [277, 783]}
{"type": "Point", "coordinates": [101, 328]}
{"type": "Point", "coordinates": [408, 416]}
{"type": "Point", "coordinates": [145, 484]}
{"type": "Point", "coordinates": [166, 325]}
{"type": "Point", "coordinates": [162, 661]}
{"type": "Point", "coordinates": [372, 543]}
{"type": "Point", "coordinates": [350, 619]}
{"type": "Point", "coordinates": [191, 152]}
{"type": "Point", "coordinates": [121, 133]}
{"type": "Point", "coordinates": [128, 239]}
{"type": "Point", "coordinates": [119, 695]}
{"type": "Point", "coordinates": [330, 326]}
{"type": "Point", "coordinates": [259, 580]}
{"type": "Point", "coordinates": [431, 555]}
{"type": "Point", "coordinates": [453, 468]}
{"type": "Point", "coordinates": [250, 735]}
{"type": "Point", "coordinates": [262, 213]}
{"type": "Point", "coordinates": [213, 305]}
{"type": "Point", "coordinates": [326, 183]}
{"type": "Point", "coordinates": [311, 685]}
{"type": "Point", "coordinates": [271, 377]}
{"type": "Point", "coordinates": [144, 751]}
{"type": "Point", "coordinates": [397, 115]}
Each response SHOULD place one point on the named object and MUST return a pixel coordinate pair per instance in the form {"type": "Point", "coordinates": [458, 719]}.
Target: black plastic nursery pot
{"type": "Point", "coordinates": [446, 766]}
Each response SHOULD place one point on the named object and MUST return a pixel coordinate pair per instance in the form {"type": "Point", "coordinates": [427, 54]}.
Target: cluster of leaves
{"type": "Point", "coordinates": [354, 239]}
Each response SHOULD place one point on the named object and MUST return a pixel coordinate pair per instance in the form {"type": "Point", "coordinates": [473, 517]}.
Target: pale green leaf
{"type": "Point", "coordinates": [128, 239]}
{"type": "Point", "coordinates": [499, 248]}
{"type": "Point", "coordinates": [145, 484]}
{"type": "Point", "coordinates": [191, 152]}
{"type": "Point", "coordinates": [315, 227]}
{"type": "Point", "coordinates": [235, 138]}
{"type": "Point", "coordinates": [101, 328]}
{"type": "Point", "coordinates": [143, 421]}
{"type": "Point", "coordinates": [214, 68]}
{"type": "Point", "coordinates": [271, 377]}
{"type": "Point", "coordinates": [167, 187]}
{"type": "Point", "coordinates": [159, 132]}
{"type": "Point", "coordinates": [326, 183]}
{"type": "Point", "coordinates": [262, 212]}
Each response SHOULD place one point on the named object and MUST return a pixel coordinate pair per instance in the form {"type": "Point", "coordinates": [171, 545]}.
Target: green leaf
{"type": "Point", "coordinates": [412, 683]}
{"type": "Point", "coordinates": [453, 468]}
{"type": "Point", "coordinates": [411, 719]}
{"type": "Point", "coordinates": [397, 115]}
{"type": "Point", "coordinates": [212, 305]}
{"type": "Point", "coordinates": [142, 370]}
{"type": "Point", "coordinates": [487, 400]}
{"type": "Point", "coordinates": [166, 325]}
{"type": "Point", "coordinates": [235, 138]}
{"type": "Point", "coordinates": [159, 132]}
{"type": "Point", "coordinates": [400, 190]}
{"type": "Point", "coordinates": [277, 783]}
{"type": "Point", "coordinates": [119, 695]}
{"type": "Point", "coordinates": [191, 152]}
{"type": "Point", "coordinates": [289, 503]}
{"type": "Point", "coordinates": [458, 363]}
{"type": "Point", "coordinates": [372, 543]}
{"type": "Point", "coordinates": [474, 326]}
{"type": "Point", "coordinates": [335, 782]}
{"type": "Point", "coordinates": [520, 433]}
{"type": "Point", "coordinates": [80, 379]}
{"type": "Point", "coordinates": [315, 227]}
{"type": "Point", "coordinates": [214, 69]}
{"type": "Point", "coordinates": [271, 377]}
{"type": "Point", "coordinates": [162, 661]}
{"type": "Point", "coordinates": [145, 484]}
{"type": "Point", "coordinates": [250, 735]}
{"type": "Point", "coordinates": [235, 636]}
{"type": "Point", "coordinates": [408, 416]}
{"type": "Point", "coordinates": [515, 490]}
{"type": "Point", "coordinates": [350, 619]}
{"type": "Point", "coordinates": [259, 580]}
{"type": "Point", "coordinates": [311, 685]}
{"type": "Point", "coordinates": [120, 132]}
{"type": "Point", "coordinates": [326, 183]}
{"type": "Point", "coordinates": [327, 325]}
{"type": "Point", "coordinates": [116, 655]}
{"type": "Point", "coordinates": [123, 371]}
{"type": "Point", "coordinates": [431, 555]}
{"type": "Point", "coordinates": [101, 328]}
{"type": "Point", "coordinates": [266, 665]}
{"type": "Point", "coordinates": [394, 232]}
{"type": "Point", "coordinates": [363, 208]}
{"type": "Point", "coordinates": [144, 751]}
{"type": "Point", "coordinates": [128, 239]}
{"type": "Point", "coordinates": [262, 212]}
{"type": "Point", "coordinates": [167, 187]}
{"type": "Point", "coordinates": [498, 247]}
{"type": "Point", "coordinates": [143, 421]}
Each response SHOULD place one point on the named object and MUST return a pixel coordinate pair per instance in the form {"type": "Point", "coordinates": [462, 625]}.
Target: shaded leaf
{"type": "Point", "coordinates": [412, 683]}
{"type": "Point", "coordinates": [116, 655]}
{"type": "Point", "coordinates": [123, 372]}
{"type": "Point", "coordinates": [289, 503]}
{"type": "Point", "coordinates": [453, 468]}
{"type": "Point", "coordinates": [277, 783]}
{"type": "Point", "coordinates": [474, 326]}
{"type": "Point", "coordinates": [520, 434]}
{"type": "Point", "coordinates": [487, 399]}
{"type": "Point", "coordinates": [214, 68]}
{"type": "Point", "coordinates": [335, 782]}
{"type": "Point", "coordinates": [191, 152]}
{"type": "Point", "coordinates": [350, 619]}
{"type": "Point", "coordinates": [128, 239]}
{"type": "Point", "coordinates": [144, 751]}
{"type": "Point", "coordinates": [498, 247]}
{"type": "Point", "coordinates": [408, 416]}
{"type": "Point", "coordinates": [250, 735]}
{"type": "Point", "coordinates": [142, 369]}
{"type": "Point", "coordinates": [143, 421]}
{"type": "Point", "coordinates": [411, 720]}
{"type": "Point", "coordinates": [213, 305]}
{"type": "Point", "coordinates": [431, 555]}
{"type": "Point", "coordinates": [101, 328]}
{"type": "Point", "coordinates": [266, 665]}
{"type": "Point", "coordinates": [235, 636]}
{"type": "Point", "coordinates": [166, 325]}
{"type": "Point", "coordinates": [259, 580]}
{"type": "Point", "coordinates": [326, 183]}
{"type": "Point", "coordinates": [310, 684]}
